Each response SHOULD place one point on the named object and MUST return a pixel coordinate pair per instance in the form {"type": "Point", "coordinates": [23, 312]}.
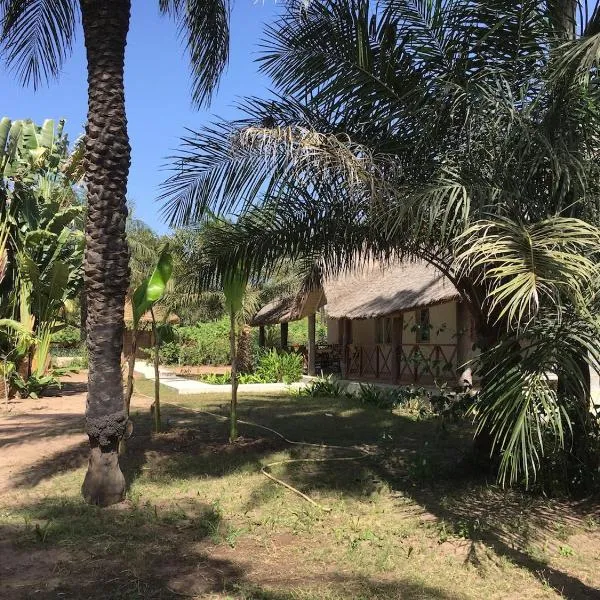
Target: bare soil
{"type": "Point", "coordinates": [200, 521]}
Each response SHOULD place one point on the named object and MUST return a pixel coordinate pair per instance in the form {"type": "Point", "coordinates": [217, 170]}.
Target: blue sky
{"type": "Point", "coordinates": [157, 91]}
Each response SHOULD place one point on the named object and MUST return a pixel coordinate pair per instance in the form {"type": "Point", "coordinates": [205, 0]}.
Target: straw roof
{"type": "Point", "coordinates": [159, 313]}
{"type": "Point", "coordinates": [368, 293]}
{"type": "Point", "coordinates": [379, 291]}
{"type": "Point", "coordinates": [290, 308]}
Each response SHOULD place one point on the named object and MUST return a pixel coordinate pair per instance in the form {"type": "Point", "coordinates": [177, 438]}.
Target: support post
{"type": "Point", "coordinates": [463, 345]}
{"type": "Point", "coordinates": [261, 336]}
{"type": "Point", "coordinates": [396, 347]}
{"type": "Point", "coordinates": [312, 344]}
{"type": "Point", "coordinates": [345, 353]}
{"type": "Point", "coordinates": [284, 336]}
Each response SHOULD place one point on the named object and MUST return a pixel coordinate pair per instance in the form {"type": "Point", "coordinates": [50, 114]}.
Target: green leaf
{"type": "Point", "coordinates": [152, 289]}
{"type": "Point", "coordinates": [64, 218]}
{"type": "Point", "coordinates": [5, 125]}
{"type": "Point", "coordinates": [46, 136]}
{"type": "Point", "coordinates": [160, 277]}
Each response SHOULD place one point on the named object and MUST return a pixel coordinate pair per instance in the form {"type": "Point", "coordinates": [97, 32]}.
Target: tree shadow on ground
{"type": "Point", "coordinates": [38, 426]}
{"type": "Point", "coordinates": [415, 458]}
{"type": "Point", "coordinates": [63, 548]}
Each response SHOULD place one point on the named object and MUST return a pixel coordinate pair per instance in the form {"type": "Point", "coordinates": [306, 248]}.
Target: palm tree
{"type": "Point", "coordinates": [36, 38]}
{"type": "Point", "coordinates": [423, 129]}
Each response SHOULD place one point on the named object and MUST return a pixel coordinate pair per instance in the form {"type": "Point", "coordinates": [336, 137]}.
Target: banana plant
{"type": "Point", "coordinates": [235, 284]}
{"type": "Point", "coordinates": [41, 242]}
{"type": "Point", "coordinates": [145, 297]}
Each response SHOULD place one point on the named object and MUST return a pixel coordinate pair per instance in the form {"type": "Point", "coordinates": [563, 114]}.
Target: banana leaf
{"type": "Point", "coordinates": [152, 289]}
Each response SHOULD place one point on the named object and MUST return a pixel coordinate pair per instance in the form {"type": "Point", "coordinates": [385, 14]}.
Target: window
{"type": "Point", "coordinates": [423, 326]}
{"type": "Point", "coordinates": [383, 330]}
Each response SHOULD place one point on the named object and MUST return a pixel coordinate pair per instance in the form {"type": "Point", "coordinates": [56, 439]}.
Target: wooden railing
{"type": "Point", "coordinates": [410, 362]}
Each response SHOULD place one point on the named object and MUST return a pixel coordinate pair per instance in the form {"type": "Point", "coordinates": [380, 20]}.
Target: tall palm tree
{"type": "Point", "coordinates": [36, 38]}
{"type": "Point", "coordinates": [405, 129]}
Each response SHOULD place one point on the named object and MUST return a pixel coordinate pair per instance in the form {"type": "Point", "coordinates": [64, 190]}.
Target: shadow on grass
{"type": "Point", "coordinates": [63, 548]}
{"type": "Point", "coordinates": [416, 458]}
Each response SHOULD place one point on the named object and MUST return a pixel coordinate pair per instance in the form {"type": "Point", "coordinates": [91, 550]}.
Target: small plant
{"type": "Point", "coordinates": [566, 551]}
{"type": "Point", "coordinates": [272, 367]}
{"type": "Point", "coordinates": [275, 367]}
{"type": "Point", "coordinates": [34, 386]}
{"type": "Point", "coordinates": [323, 387]}
{"type": "Point", "coordinates": [216, 378]}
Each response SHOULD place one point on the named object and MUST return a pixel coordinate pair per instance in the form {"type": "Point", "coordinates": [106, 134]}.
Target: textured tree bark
{"type": "Point", "coordinates": [107, 159]}
{"type": "Point", "coordinates": [130, 371]}
{"type": "Point", "coordinates": [463, 346]}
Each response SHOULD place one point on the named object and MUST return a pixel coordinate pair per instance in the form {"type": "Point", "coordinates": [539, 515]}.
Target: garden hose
{"type": "Point", "coordinates": [364, 453]}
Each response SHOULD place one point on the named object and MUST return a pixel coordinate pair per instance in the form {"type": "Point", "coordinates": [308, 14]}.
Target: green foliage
{"type": "Point", "coordinates": [66, 337]}
{"type": "Point", "coordinates": [153, 288]}
{"type": "Point", "coordinates": [34, 386]}
{"type": "Point", "coordinates": [216, 378]}
{"type": "Point", "coordinates": [39, 205]}
{"type": "Point", "coordinates": [279, 366]}
{"type": "Point", "coordinates": [424, 403]}
{"type": "Point", "coordinates": [272, 367]}
{"type": "Point", "coordinates": [322, 387]}
{"type": "Point", "coordinates": [200, 344]}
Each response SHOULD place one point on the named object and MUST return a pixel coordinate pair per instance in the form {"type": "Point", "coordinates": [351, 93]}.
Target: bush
{"type": "Point", "coordinates": [323, 387]}
{"type": "Point", "coordinates": [200, 344]}
{"type": "Point", "coordinates": [67, 337]}
{"type": "Point", "coordinates": [453, 405]}
{"type": "Point", "coordinates": [274, 366]}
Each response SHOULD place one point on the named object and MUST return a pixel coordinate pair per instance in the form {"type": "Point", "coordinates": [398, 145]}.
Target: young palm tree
{"type": "Point", "coordinates": [36, 38]}
{"type": "Point", "coordinates": [405, 129]}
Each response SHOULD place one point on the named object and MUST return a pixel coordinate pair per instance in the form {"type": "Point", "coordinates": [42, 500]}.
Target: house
{"type": "Point", "coordinates": [403, 322]}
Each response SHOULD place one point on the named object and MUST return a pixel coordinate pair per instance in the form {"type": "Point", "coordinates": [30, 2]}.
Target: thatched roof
{"type": "Point", "coordinates": [146, 319]}
{"type": "Point", "coordinates": [366, 293]}
{"type": "Point", "coordinates": [290, 308]}
{"type": "Point", "coordinates": [380, 291]}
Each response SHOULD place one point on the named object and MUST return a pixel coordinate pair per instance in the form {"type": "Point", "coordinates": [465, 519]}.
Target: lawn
{"type": "Point", "coordinates": [202, 521]}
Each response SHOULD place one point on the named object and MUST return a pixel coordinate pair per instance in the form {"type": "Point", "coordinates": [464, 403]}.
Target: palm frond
{"type": "Point", "coordinates": [204, 25]}
{"type": "Point", "coordinates": [521, 265]}
{"type": "Point", "coordinates": [520, 403]}
{"type": "Point", "coordinates": [37, 36]}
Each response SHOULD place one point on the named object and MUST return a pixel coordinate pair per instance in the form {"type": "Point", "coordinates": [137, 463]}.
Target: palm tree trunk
{"type": "Point", "coordinates": [130, 371]}
{"type": "Point", "coordinates": [233, 432]}
{"type": "Point", "coordinates": [484, 457]}
{"type": "Point", "coordinates": [107, 159]}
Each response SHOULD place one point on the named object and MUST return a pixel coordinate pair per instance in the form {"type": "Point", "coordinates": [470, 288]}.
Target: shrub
{"type": "Point", "coordinates": [444, 403]}
{"type": "Point", "coordinates": [200, 344]}
{"type": "Point", "coordinates": [274, 366]}
{"type": "Point", "coordinates": [67, 337]}
{"type": "Point", "coordinates": [323, 387]}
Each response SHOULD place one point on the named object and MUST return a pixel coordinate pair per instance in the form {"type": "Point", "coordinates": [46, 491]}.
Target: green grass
{"type": "Point", "coordinates": [202, 520]}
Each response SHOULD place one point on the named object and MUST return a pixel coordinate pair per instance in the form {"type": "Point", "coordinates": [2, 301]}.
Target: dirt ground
{"type": "Point", "coordinates": [35, 428]}
{"type": "Point", "coordinates": [200, 521]}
